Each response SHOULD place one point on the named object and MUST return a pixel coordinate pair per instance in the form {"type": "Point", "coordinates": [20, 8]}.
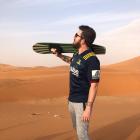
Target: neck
{"type": "Point", "coordinates": [82, 49]}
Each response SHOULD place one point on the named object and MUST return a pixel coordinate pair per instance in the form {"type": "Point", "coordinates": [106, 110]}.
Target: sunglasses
{"type": "Point", "coordinates": [76, 35]}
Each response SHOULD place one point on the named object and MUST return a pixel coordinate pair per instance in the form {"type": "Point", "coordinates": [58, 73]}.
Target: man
{"type": "Point", "coordinates": [84, 79]}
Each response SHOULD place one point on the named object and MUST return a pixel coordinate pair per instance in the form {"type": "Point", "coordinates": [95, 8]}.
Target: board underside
{"type": "Point", "coordinates": [45, 48]}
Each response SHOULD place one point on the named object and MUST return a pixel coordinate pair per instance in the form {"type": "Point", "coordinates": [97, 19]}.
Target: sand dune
{"type": "Point", "coordinates": [33, 103]}
{"type": "Point", "coordinates": [132, 65]}
{"type": "Point", "coordinates": [121, 79]}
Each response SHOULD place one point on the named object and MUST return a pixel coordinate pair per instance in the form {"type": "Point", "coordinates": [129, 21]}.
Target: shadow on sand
{"type": "Point", "coordinates": [120, 130]}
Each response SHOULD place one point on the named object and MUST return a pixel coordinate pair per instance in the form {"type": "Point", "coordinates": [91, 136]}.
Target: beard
{"type": "Point", "coordinates": [76, 45]}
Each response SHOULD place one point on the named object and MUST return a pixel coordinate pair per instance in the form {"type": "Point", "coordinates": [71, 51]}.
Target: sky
{"type": "Point", "coordinates": [26, 22]}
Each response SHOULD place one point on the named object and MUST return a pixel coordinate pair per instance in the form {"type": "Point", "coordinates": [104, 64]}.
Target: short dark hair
{"type": "Point", "coordinates": [88, 34]}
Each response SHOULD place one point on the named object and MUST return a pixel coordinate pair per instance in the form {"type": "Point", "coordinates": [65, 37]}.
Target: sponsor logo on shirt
{"type": "Point", "coordinates": [78, 62]}
{"type": "Point", "coordinates": [95, 74]}
{"type": "Point", "coordinates": [74, 71]}
{"type": "Point", "coordinates": [88, 55]}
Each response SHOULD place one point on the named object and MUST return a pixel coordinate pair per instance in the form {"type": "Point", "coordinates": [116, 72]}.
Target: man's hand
{"type": "Point", "coordinates": [55, 51]}
{"type": "Point", "coordinates": [86, 114]}
{"type": "Point", "coordinates": [63, 57]}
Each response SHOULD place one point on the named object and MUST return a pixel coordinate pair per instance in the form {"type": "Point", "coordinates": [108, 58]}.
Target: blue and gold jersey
{"type": "Point", "coordinates": [84, 69]}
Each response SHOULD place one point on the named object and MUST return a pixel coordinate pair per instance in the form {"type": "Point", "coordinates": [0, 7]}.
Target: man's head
{"type": "Point", "coordinates": [85, 35]}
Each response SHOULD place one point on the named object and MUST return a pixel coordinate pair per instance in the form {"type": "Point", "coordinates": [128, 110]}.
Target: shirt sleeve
{"type": "Point", "coordinates": [93, 70]}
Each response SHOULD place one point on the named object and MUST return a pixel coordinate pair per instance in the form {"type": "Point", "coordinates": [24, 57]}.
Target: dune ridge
{"type": "Point", "coordinates": [19, 83]}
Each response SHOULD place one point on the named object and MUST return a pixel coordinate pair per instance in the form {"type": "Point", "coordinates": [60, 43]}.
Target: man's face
{"type": "Point", "coordinates": [77, 39]}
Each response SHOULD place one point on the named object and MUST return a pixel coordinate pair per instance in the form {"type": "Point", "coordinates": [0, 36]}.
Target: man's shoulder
{"type": "Point", "coordinates": [93, 60]}
{"type": "Point", "coordinates": [90, 56]}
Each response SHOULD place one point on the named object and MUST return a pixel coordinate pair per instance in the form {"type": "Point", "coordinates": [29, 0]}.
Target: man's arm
{"type": "Point", "coordinates": [91, 99]}
{"type": "Point", "coordinates": [63, 57]}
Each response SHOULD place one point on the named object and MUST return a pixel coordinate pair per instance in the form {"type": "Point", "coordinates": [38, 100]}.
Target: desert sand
{"type": "Point", "coordinates": [33, 103]}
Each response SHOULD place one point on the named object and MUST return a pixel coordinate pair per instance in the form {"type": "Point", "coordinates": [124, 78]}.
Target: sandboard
{"type": "Point", "coordinates": [45, 48]}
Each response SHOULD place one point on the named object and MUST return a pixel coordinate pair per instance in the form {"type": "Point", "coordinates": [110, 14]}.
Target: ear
{"type": "Point", "coordinates": [83, 41]}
